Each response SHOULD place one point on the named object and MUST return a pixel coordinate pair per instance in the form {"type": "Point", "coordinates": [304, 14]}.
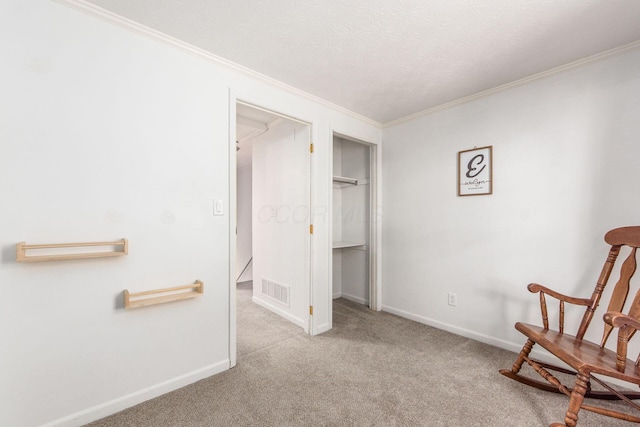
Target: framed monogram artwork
{"type": "Point", "coordinates": [475, 172]}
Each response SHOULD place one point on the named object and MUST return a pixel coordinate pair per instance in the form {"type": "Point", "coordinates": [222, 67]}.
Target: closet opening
{"type": "Point", "coordinates": [354, 221]}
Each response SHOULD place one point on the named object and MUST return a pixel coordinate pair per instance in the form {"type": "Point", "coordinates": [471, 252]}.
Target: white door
{"type": "Point", "coordinates": [281, 219]}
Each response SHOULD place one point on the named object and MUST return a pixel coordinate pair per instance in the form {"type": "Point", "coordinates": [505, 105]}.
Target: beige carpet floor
{"type": "Point", "coordinates": [371, 369]}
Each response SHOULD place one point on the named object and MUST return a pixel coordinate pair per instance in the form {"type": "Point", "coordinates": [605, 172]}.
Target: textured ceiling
{"type": "Point", "coordinates": [386, 59]}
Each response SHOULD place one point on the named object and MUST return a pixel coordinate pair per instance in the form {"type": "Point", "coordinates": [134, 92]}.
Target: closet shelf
{"type": "Point", "coordinates": [22, 248]}
{"type": "Point", "coordinates": [349, 245]}
{"type": "Point", "coordinates": [160, 296]}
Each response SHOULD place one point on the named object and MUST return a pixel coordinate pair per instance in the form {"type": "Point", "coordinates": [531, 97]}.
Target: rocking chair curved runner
{"type": "Point", "coordinates": [584, 357]}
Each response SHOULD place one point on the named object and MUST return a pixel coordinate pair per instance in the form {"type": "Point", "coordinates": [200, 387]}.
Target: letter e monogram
{"type": "Point", "coordinates": [473, 165]}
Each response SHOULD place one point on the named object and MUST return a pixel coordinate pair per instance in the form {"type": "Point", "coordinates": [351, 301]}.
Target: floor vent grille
{"type": "Point", "coordinates": [276, 291]}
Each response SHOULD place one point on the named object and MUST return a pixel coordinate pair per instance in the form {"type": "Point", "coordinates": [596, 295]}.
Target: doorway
{"type": "Point", "coordinates": [355, 221]}
{"type": "Point", "coordinates": [273, 199]}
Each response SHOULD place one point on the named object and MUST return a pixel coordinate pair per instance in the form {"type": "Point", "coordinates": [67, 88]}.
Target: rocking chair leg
{"type": "Point", "coordinates": [524, 353]}
{"type": "Point", "coordinates": [577, 396]}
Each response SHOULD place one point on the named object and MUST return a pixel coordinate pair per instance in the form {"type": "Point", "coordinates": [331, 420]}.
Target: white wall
{"type": "Point", "coordinates": [107, 134]}
{"type": "Point", "coordinates": [244, 235]}
{"type": "Point", "coordinates": [565, 171]}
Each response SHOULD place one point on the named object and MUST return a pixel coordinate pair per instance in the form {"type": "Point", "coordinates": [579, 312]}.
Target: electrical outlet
{"type": "Point", "coordinates": [453, 299]}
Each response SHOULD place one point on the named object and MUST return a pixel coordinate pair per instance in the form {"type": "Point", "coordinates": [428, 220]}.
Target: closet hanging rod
{"type": "Point", "coordinates": [346, 180]}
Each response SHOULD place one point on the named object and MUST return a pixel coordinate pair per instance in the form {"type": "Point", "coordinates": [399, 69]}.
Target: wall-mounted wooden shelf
{"type": "Point", "coordinates": [22, 248]}
{"type": "Point", "coordinates": [349, 245]}
{"type": "Point", "coordinates": [160, 296]}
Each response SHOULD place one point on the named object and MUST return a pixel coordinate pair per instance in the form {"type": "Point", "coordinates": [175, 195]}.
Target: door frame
{"type": "Point", "coordinates": [375, 219]}
{"type": "Point", "coordinates": [234, 99]}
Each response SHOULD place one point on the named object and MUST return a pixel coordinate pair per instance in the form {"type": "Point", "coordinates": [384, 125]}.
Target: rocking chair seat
{"type": "Point", "coordinates": [583, 356]}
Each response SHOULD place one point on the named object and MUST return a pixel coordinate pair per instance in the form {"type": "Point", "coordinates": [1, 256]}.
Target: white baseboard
{"type": "Point", "coordinates": [496, 342]}
{"type": "Point", "coordinates": [355, 299]}
{"type": "Point", "coordinates": [280, 312]}
{"type": "Point", "coordinates": [322, 328]}
{"type": "Point", "coordinates": [116, 405]}
{"type": "Point", "coordinates": [337, 295]}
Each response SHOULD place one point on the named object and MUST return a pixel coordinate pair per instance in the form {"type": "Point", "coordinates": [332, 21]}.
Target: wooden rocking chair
{"type": "Point", "coordinates": [584, 357]}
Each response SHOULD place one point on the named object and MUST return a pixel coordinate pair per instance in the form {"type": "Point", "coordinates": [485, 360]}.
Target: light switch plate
{"type": "Point", "coordinates": [218, 207]}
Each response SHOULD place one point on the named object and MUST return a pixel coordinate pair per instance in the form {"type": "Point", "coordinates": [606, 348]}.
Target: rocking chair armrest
{"type": "Point", "coordinates": [535, 287]}
{"type": "Point", "coordinates": [618, 320]}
